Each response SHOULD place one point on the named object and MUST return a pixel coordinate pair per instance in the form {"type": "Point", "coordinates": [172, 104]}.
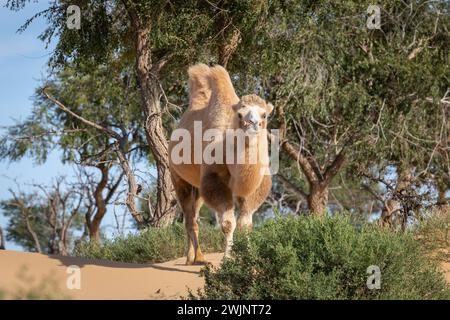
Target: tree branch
{"type": "Point", "coordinates": [334, 167]}
{"type": "Point", "coordinates": [108, 131]}
{"type": "Point", "coordinates": [25, 215]}
{"type": "Point", "coordinates": [289, 149]}
{"type": "Point", "coordinates": [132, 186]}
{"type": "Point", "coordinates": [291, 187]}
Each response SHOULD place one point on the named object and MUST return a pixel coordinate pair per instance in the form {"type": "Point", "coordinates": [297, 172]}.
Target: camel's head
{"type": "Point", "coordinates": [251, 113]}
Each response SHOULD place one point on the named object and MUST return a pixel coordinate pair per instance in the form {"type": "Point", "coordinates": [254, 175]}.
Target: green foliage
{"type": "Point", "coordinates": [106, 95]}
{"type": "Point", "coordinates": [316, 258]}
{"type": "Point", "coordinates": [17, 229]}
{"type": "Point", "coordinates": [151, 245]}
{"type": "Point", "coordinates": [27, 138]}
{"type": "Point", "coordinates": [375, 94]}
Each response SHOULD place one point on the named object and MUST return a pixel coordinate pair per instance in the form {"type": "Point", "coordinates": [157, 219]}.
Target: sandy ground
{"type": "Point", "coordinates": [22, 274]}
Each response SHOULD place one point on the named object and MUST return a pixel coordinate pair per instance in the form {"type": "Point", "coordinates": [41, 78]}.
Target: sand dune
{"type": "Point", "coordinates": [24, 274]}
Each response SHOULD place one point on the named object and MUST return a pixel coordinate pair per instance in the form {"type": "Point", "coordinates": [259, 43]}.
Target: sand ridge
{"type": "Point", "coordinates": [24, 272]}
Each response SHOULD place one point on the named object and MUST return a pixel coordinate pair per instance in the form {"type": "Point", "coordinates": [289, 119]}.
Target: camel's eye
{"type": "Point", "coordinates": [264, 116]}
{"type": "Point", "coordinates": [240, 115]}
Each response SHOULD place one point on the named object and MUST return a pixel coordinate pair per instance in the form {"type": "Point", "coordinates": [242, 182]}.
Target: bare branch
{"type": "Point", "coordinates": [24, 210]}
{"type": "Point", "coordinates": [132, 185]}
{"type": "Point", "coordinates": [108, 131]}
{"type": "Point", "coordinates": [292, 188]}
{"type": "Point", "coordinates": [289, 149]}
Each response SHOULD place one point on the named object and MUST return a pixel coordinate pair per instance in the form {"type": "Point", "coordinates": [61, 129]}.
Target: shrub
{"type": "Point", "coordinates": [151, 245]}
{"type": "Point", "coordinates": [317, 258]}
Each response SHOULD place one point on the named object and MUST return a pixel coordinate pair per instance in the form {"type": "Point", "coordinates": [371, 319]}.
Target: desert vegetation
{"type": "Point", "coordinates": [318, 258]}
{"type": "Point", "coordinates": [150, 245]}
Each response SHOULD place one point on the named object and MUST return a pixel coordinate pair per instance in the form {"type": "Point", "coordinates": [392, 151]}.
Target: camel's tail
{"type": "Point", "coordinates": [221, 86]}
{"type": "Point", "coordinates": [199, 87]}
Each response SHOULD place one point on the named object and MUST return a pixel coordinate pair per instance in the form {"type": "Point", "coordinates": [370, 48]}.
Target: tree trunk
{"type": "Point", "coordinates": [33, 234]}
{"type": "Point", "coordinates": [390, 208]}
{"type": "Point", "coordinates": [100, 204]}
{"type": "Point", "coordinates": [165, 207]}
{"type": "Point", "coordinates": [318, 198]}
{"type": "Point", "coordinates": [2, 240]}
{"type": "Point", "coordinates": [393, 205]}
{"type": "Point", "coordinates": [62, 249]}
{"type": "Point", "coordinates": [132, 187]}
{"type": "Point", "coordinates": [64, 233]}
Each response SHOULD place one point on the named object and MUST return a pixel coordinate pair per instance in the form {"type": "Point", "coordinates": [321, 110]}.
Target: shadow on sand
{"type": "Point", "coordinates": [82, 262]}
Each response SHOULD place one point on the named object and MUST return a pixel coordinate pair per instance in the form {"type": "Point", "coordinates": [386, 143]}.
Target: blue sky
{"type": "Point", "coordinates": [23, 62]}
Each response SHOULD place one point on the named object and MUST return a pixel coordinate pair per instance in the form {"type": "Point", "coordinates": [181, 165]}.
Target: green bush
{"type": "Point", "coordinates": [151, 245]}
{"type": "Point", "coordinates": [317, 258]}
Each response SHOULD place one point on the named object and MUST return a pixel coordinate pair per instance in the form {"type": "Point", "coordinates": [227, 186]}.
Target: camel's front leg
{"type": "Point", "coordinates": [190, 202]}
{"type": "Point", "coordinates": [228, 225]}
{"type": "Point", "coordinates": [214, 190]}
{"type": "Point", "coordinates": [245, 220]}
{"type": "Point", "coordinates": [248, 205]}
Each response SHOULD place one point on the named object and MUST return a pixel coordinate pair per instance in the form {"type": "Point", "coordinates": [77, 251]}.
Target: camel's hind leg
{"type": "Point", "coordinates": [250, 204]}
{"type": "Point", "coordinates": [218, 197]}
{"type": "Point", "coordinates": [191, 203]}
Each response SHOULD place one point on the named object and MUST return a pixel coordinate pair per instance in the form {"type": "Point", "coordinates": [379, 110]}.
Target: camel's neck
{"type": "Point", "coordinates": [257, 150]}
{"type": "Point", "coordinates": [252, 163]}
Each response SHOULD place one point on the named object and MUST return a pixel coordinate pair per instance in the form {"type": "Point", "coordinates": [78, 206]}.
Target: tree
{"type": "Point", "coordinates": [102, 95]}
{"type": "Point", "coordinates": [45, 219]}
{"type": "Point", "coordinates": [96, 201]}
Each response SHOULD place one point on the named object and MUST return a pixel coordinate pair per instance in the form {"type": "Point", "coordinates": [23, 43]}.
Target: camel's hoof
{"type": "Point", "coordinates": [197, 262]}
{"type": "Point", "coordinates": [200, 261]}
{"type": "Point", "coordinates": [190, 262]}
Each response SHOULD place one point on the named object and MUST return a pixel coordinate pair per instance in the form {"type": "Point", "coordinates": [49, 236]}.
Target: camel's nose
{"type": "Point", "coordinates": [253, 120]}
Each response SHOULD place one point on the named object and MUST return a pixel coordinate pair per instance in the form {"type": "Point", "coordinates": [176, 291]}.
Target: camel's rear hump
{"type": "Point", "coordinates": [222, 89]}
{"type": "Point", "coordinates": [207, 84]}
{"type": "Point", "coordinates": [199, 87]}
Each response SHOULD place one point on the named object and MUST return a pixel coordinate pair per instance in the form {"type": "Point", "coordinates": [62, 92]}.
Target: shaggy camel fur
{"type": "Point", "coordinates": [215, 104]}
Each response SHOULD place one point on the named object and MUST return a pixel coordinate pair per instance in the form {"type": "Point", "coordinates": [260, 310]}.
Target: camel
{"type": "Point", "coordinates": [220, 185]}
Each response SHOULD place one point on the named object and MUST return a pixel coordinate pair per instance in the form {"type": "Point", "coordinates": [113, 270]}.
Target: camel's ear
{"type": "Point", "coordinates": [269, 107]}
{"type": "Point", "coordinates": [237, 106]}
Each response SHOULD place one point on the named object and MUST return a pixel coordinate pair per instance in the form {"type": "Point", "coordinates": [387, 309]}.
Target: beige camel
{"type": "Point", "coordinates": [220, 184]}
